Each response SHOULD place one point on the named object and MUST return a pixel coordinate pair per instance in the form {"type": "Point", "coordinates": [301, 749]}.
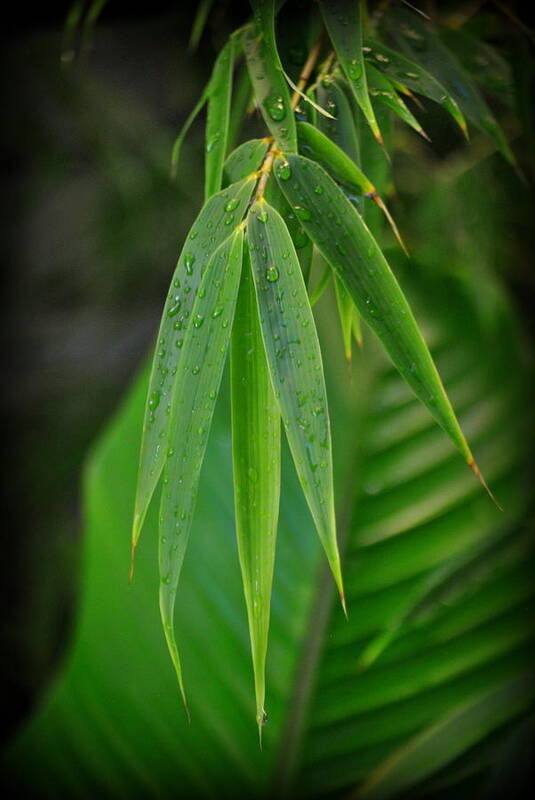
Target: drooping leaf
{"type": "Point", "coordinates": [209, 230]}
{"type": "Point", "coordinates": [198, 377]}
{"type": "Point", "coordinates": [398, 67]}
{"type": "Point", "coordinates": [240, 100]}
{"type": "Point", "coordinates": [256, 471]}
{"type": "Point", "coordinates": [381, 89]}
{"type": "Point", "coordinates": [338, 231]}
{"type": "Point", "coordinates": [245, 159]}
{"type": "Point", "coordinates": [267, 78]}
{"type": "Point", "coordinates": [439, 744]}
{"type": "Point", "coordinates": [218, 118]}
{"type": "Point", "coordinates": [318, 147]}
{"type": "Point", "coordinates": [343, 20]}
{"type": "Point", "coordinates": [424, 45]}
{"type": "Point", "coordinates": [319, 289]}
{"type": "Point", "coordinates": [340, 130]}
{"type": "Point", "coordinates": [295, 366]}
{"type": "Point", "coordinates": [177, 146]}
{"type": "Point", "coordinates": [199, 23]}
{"type": "Point", "coordinates": [301, 241]}
{"type": "Point", "coordinates": [344, 302]}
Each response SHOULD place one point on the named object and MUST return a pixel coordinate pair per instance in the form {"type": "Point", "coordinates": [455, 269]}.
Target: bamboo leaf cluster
{"type": "Point", "coordinates": [314, 182]}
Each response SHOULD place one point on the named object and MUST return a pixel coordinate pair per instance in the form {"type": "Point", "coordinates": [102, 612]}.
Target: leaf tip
{"type": "Point", "coordinates": [477, 472]}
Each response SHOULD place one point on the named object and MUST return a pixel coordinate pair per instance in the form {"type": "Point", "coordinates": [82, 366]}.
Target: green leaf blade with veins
{"type": "Point", "coordinates": [412, 75]}
{"type": "Point", "coordinates": [209, 230]}
{"type": "Point", "coordinates": [302, 243]}
{"type": "Point", "coordinates": [439, 744]}
{"type": "Point", "coordinates": [343, 20]}
{"type": "Point", "coordinates": [245, 159]}
{"type": "Point", "coordinates": [256, 470]}
{"type": "Point", "coordinates": [295, 365]}
{"type": "Point", "coordinates": [267, 77]}
{"type": "Point", "coordinates": [204, 349]}
{"type": "Point", "coordinates": [340, 130]}
{"type": "Point", "coordinates": [423, 44]}
{"type": "Point", "coordinates": [383, 91]}
{"type": "Point", "coordinates": [218, 119]}
{"type": "Point", "coordinates": [338, 231]}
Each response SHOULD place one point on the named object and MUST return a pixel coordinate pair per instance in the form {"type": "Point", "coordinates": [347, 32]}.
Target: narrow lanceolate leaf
{"type": "Point", "coordinates": [301, 241]}
{"type": "Point", "coordinates": [338, 231]}
{"type": "Point", "coordinates": [344, 302]}
{"type": "Point", "coordinates": [199, 23]}
{"type": "Point", "coordinates": [177, 146]}
{"type": "Point", "coordinates": [294, 360]}
{"type": "Point", "coordinates": [341, 129]}
{"type": "Point", "coordinates": [198, 378]}
{"type": "Point", "coordinates": [218, 117]}
{"type": "Point", "coordinates": [209, 230]}
{"type": "Point", "coordinates": [245, 159]}
{"type": "Point", "coordinates": [382, 90]}
{"type": "Point", "coordinates": [267, 77]}
{"type": "Point", "coordinates": [314, 144]}
{"type": "Point", "coordinates": [343, 19]}
{"type": "Point", "coordinates": [440, 743]}
{"type": "Point", "coordinates": [256, 471]}
{"type": "Point", "coordinates": [412, 75]}
{"type": "Point", "coordinates": [422, 43]}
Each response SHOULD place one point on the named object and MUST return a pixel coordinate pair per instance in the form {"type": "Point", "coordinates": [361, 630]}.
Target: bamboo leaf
{"type": "Point", "coordinates": [218, 118]}
{"type": "Point", "coordinates": [338, 231]}
{"type": "Point", "coordinates": [423, 44]}
{"type": "Point", "coordinates": [177, 146]}
{"type": "Point", "coordinates": [265, 70]}
{"type": "Point", "coordinates": [295, 366]}
{"type": "Point", "coordinates": [343, 20]}
{"type": "Point", "coordinates": [209, 230]}
{"type": "Point", "coordinates": [199, 23]}
{"type": "Point", "coordinates": [440, 743]}
{"type": "Point", "coordinates": [301, 241]}
{"type": "Point", "coordinates": [319, 148]}
{"type": "Point", "coordinates": [383, 91]}
{"type": "Point", "coordinates": [240, 101]}
{"type": "Point", "coordinates": [245, 159]}
{"type": "Point", "coordinates": [256, 470]}
{"type": "Point", "coordinates": [204, 349]}
{"type": "Point", "coordinates": [340, 130]}
{"type": "Point", "coordinates": [344, 302]}
{"type": "Point", "coordinates": [398, 67]}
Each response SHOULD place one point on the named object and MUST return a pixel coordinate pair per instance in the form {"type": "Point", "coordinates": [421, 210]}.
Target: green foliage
{"type": "Point", "coordinates": [412, 681]}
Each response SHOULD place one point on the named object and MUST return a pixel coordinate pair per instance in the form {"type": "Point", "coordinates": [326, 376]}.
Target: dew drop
{"type": "Point", "coordinates": [189, 261]}
{"type": "Point", "coordinates": [272, 273]}
{"type": "Point", "coordinates": [154, 400]}
{"type": "Point", "coordinates": [284, 172]}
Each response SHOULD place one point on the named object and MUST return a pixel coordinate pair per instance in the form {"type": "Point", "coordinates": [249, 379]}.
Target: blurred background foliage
{"type": "Point", "coordinates": [93, 225]}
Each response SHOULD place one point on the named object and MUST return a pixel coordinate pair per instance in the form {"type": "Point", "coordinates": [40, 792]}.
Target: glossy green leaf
{"type": "Point", "coordinates": [198, 377]}
{"type": "Point", "coordinates": [256, 471]}
{"type": "Point", "coordinates": [301, 241]}
{"type": "Point", "coordinates": [345, 306]}
{"type": "Point", "coordinates": [245, 160]}
{"type": "Point", "coordinates": [382, 90]}
{"type": "Point", "coordinates": [423, 44]}
{"type": "Point", "coordinates": [218, 119]}
{"type": "Point", "coordinates": [240, 100]}
{"type": "Point", "coordinates": [210, 229]}
{"type": "Point", "coordinates": [337, 230]}
{"type": "Point", "coordinates": [340, 130]}
{"type": "Point", "coordinates": [439, 744]}
{"type": "Point", "coordinates": [267, 78]}
{"type": "Point", "coordinates": [295, 365]}
{"type": "Point", "coordinates": [343, 20]}
{"type": "Point", "coordinates": [318, 147]}
{"type": "Point", "coordinates": [412, 74]}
